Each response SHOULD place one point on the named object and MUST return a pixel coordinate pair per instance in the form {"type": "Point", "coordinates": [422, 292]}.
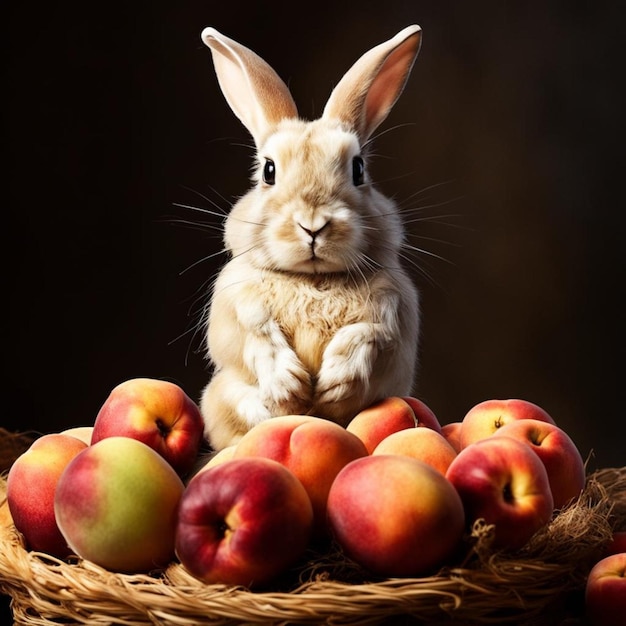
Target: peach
{"type": "Point", "coordinates": [156, 412]}
{"type": "Point", "coordinates": [484, 419]}
{"type": "Point", "coordinates": [501, 480]}
{"type": "Point", "coordinates": [423, 444]}
{"type": "Point", "coordinates": [605, 591]}
{"type": "Point", "coordinates": [390, 415]}
{"type": "Point", "coordinates": [452, 432]}
{"type": "Point", "coordinates": [557, 451]}
{"type": "Point", "coordinates": [243, 522]}
{"type": "Point", "coordinates": [116, 505]}
{"type": "Point", "coordinates": [314, 449]}
{"type": "Point", "coordinates": [31, 485]}
{"type": "Point", "coordinates": [395, 515]}
{"type": "Point", "coordinates": [424, 415]}
{"type": "Point", "coordinates": [83, 433]}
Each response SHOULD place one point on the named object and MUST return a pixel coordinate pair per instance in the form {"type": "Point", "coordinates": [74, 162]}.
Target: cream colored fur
{"type": "Point", "coordinates": [313, 313]}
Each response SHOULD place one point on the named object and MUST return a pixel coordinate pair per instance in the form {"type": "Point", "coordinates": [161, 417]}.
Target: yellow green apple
{"type": "Point", "coordinates": [116, 504]}
{"type": "Point", "coordinates": [31, 485]}
{"type": "Point", "coordinates": [243, 522]}
{"type": "Point", "coordinates": [395, 515]}
{"type": "Point", "coordinates": [158, 413]}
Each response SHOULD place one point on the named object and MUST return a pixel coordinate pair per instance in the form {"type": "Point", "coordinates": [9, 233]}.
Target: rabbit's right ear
{"type": "Point", "coordinates": [255, 93]}
{"type": "Point", "coordinates": [369, 89]}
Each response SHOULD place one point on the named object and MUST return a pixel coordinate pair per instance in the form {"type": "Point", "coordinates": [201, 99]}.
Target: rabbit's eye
{"type": "Point", "coordinates": [269, 172]}
{"type": "Point", "coordinates": [358, 171]}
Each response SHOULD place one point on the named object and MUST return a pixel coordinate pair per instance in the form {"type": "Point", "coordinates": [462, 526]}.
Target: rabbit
{"type": "Point", "coordinates": [313, 312]}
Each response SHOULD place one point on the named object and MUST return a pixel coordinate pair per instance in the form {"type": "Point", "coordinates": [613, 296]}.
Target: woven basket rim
{"type": "Point", "coordinates": [487, 588]}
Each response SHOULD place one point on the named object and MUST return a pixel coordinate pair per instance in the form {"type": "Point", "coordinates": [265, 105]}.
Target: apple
{"type": "Point", "coordinates": [395, 515]}
{"type": "Point", "coordinates": [557, 451]}
{"type": "Point", "coordinates": [605, 591]}
{"type": "Point", "coordinates": [485, 418]}
{"type": "Point", "coordinates": [156, 412]}
{"type": "Point", "coordinates": [451, 432]}
{"type": "Point", "coordinates": [243, 522]}
{"type": "Point", "coordinates": [424, 444]}
{"type": "Point", "coordinates": [31, 484]}
{"type": "Point", "coordinates": [389, 415]}
{"type": "Point", "coordinates": [116, 504]}
{"type": "Point", "coordinates": [83, 433]}
{"type": "Point", "coordinates": [314, 449]}
{"type": "Point", "coordinates": [501, 480]}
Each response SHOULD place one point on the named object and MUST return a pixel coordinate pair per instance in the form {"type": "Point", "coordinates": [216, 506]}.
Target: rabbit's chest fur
{"type": "Point", "coordinates": [308, 310]}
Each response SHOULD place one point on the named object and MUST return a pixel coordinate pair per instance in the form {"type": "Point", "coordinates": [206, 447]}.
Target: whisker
{"type": "Point", "coordinates": [203, 226]}
{"type": "Point", "coordinates": [207, 199]}
{"type": "Point", "coordinates": [191, 207]}
{"type": "Point", "coordinates": [444, 242]}
{"type": "Point", "coordinates": [208, 257]}
{"type": "Point", "coordinates": [384, 132]}
{"type": "Point", "coordinates": [418, 250]}
{"type": "Point", "coordinates": [428, 188]}
{"type": "Point", "coordinates": [434, 205]}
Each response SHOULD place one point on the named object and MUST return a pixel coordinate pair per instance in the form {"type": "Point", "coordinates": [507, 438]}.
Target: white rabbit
{"type": "Point", "coordinates": [313, 313]}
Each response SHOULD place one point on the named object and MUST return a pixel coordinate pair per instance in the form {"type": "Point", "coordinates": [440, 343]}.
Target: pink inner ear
{"type": "Point", "coordinates": [389, 83]}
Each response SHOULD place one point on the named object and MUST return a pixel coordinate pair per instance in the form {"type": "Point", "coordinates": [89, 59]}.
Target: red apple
{"type": "Point", "coordinates": [31, 485]}
{"type": "Point", "coordinates": [423, 444]}
{"type": "Point", "coordinates": [557, 451]}
{"type": "Point", "coordinates": [243, 522]}
{"type": "Point", "coordinates": [485, 418]}
{"type": "Point", "coordinates": [156, 412]}
{"type": "Point", "coordinates": [116, 505]}
{"type": "Point", "coordinates": [451, 433]}
{"type": "Point", "coordinates": [395, 515]}
{"type": "Point", "coordinates": [605, 591]}
{"type": "Point", "coordinates": [501, 480]}
{"type": "Point", "coordinates": [314, 449]}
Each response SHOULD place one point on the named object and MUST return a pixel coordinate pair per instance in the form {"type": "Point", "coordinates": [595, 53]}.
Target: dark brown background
{"type": "Point", "coordinates": [514, 111]}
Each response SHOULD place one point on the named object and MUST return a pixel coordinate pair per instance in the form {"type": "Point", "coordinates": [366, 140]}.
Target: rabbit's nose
{"type": "Point", "coordinates": [313, 232]}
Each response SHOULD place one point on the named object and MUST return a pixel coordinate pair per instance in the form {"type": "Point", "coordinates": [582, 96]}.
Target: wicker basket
{"type": "Point", "coordinates": [534, 586]}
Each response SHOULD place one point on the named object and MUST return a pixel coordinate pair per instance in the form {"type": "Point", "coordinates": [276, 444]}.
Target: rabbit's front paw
{"type": "Point", "coordinates": [286, 384]}
{"type": "Point", "coordinates": [347, 363]}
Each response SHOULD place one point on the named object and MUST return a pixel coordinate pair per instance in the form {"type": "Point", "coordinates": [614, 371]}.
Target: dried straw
{"type": "Point", "coordinates": [485, 587]}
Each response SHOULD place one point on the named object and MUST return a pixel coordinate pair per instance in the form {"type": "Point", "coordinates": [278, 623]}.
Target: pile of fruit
{"type": "Point", "coordinates": [395, 489]}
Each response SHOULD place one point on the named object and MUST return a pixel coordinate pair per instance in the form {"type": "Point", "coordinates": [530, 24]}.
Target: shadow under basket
{"type": "Point", "coordinates": [540, 584]}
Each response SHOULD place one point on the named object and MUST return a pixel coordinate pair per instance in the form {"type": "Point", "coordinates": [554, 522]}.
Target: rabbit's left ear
{"type": "Point", "coordinates": [255, 93]}
{"type": "Point", "coordinates": [364, 96]}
